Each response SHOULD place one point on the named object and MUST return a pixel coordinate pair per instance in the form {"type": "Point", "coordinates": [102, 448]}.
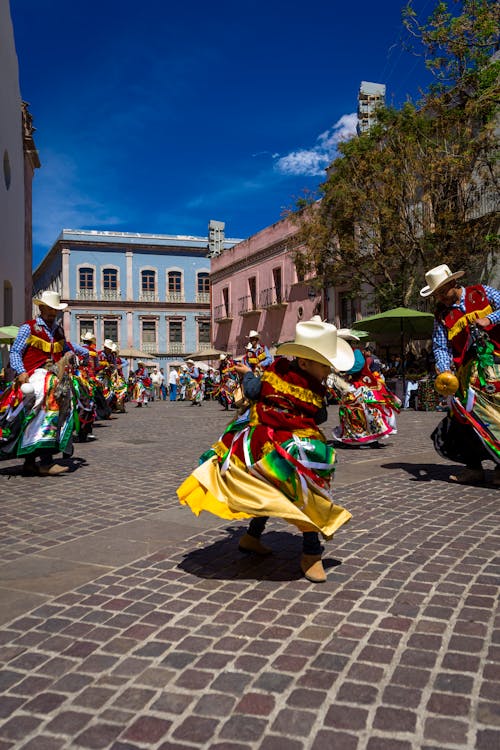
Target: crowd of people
{"type": "Point", "coordinates": [273, 459]}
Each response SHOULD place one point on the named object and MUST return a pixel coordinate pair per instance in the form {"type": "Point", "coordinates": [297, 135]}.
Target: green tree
{"type": "Point", "coordinates": [411, 193]}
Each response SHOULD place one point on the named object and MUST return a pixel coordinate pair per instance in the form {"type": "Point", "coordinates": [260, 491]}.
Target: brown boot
{"type": "Point", "coordinates": [312, 568]}
{"type": "Point", "coordinates": [52, 470]}
{"type": "Point", "coordinates": [249, 543]}
{"type": "Point", "coordinates": [468, 476]}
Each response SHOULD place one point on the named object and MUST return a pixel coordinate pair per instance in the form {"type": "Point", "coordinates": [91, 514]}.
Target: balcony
{"type": "Point", "coordinates": [247, 306]}
{"type": "Point", "coordinates": [222, 313]}
{"type": "Point", "coordinates": [175, 297]}
{"type": "Point", "coordinates": [175, 347]}
{"type": "Point", "coordinates": [148, 297]}
{"type": "Point", "coordinates": [86, 294]}
{"type": "Point", "coordinates": [111, 295]}
{"type": "Point", "coordinates": [149, 347]}
{"type": "Point", "coordinates": [203, 298]}
{"type": "Point", "coordinates": [274, 298]}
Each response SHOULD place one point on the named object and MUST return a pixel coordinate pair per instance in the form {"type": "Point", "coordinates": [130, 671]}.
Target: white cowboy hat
{"type": "Point", "coordinates": [222, 356]}
{"type": "Point", "coordinates": [88, 336]}
{"type": "Point", "coordinates": [190, 361]}
{"type": "Point", "coordinates": [108, 343]}
{"type": "Point", "coordinates": [438, 277]}
{"type": "Point", "coordinates": [253, 334]}
{"type": "Point", "coordinates": [319, 342]}
{"type": "Point", "coordinates": [114, 347]}
{"type": "Point", "coordinates": [51, 299]}
{"type": "Point", "coordinates": [347, 334]}
{"type": "Point", "coordinates": [249, 346]}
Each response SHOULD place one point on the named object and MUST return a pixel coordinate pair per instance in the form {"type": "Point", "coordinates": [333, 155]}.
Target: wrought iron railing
{"type": "Point", "coordinates": [247, 305]}
{"type": "Point", "coordinates": [274, 297]}
{"type": "Point", "coordinates": [222, 312]}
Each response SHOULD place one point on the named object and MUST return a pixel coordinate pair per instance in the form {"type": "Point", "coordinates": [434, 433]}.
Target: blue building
{"type": "Point", "coordinates": [144, 291]}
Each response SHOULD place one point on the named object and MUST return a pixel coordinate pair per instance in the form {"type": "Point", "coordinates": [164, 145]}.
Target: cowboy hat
{"type": "Point", "coordinates": [51, 299]}
{"type": "Point", "coordinates": [88, 336]}
{"type": "Point", "coordinates": [108, 343]}
{"type": "Point", "coordinates": [319, 342]}
{"type": "Point", "coordinates": [114, 347]}
{"type": "Point", "coordinates": [346, 334]}
{"type": "Point", "coordinates": [253, 334]}
{"type": "Point", "coordinates": [438, 277]}
{"type": "Point", "coordinates": [249, 346]}
{"type": "Point", "coordinates": [222, 356]}
{"type": "Point", "coordinates": [190, 361]}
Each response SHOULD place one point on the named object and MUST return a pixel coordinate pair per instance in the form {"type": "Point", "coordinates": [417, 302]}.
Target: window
{"type": "Point", "coordinates": [277, 284]}
{"type": "Point", "coordinates": [347, 310]}
{"type": "Point", "coordinates": [110, 279]}
{"type": "Point", "coordinates": [8, 303]}
{"type": "Point", "coordinates": [86, 279]}
{"type": "Point", "coordinates": [225, 297]}
{"type": "Point", "coordinates": [174, 281]}
{"type": "Point", "coordinates": [111, 330]}
{"type": "Point", "coordinates": [149, 332]}
{"type": "Point", "coordinates": [87, 326]}
{"type": "Point", "coordinates": [175, 331]}
{"type": "Point", "coordinates": [204, 331]}
{"type": "Point", "coordinates": [252, 288]}
{"type": "Point", "coordinates": [203, 283]}
{"type": "Point", "coordinates": [148, 281]}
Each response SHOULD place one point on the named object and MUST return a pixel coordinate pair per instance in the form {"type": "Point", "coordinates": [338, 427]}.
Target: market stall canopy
{"type": "Point", "coordinates": [400, 321]}
{"type": "Point", "coordinates": [132, 353]}
{"type": "Point", "coordinates": [206, 354]}
{"type": "Point", "coordinates": [8, 334]}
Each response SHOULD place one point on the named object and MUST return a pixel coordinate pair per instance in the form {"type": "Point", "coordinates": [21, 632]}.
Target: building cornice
{"type": "Point", "coordinates": [281, 248]}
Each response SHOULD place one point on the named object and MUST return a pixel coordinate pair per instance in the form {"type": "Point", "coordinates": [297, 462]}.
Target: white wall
{"type": "Point", "coordinates": [12, 214]}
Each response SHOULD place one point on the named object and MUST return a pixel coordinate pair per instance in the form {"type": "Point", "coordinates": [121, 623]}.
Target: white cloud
{"type": "Point", "coordinates": [313, 162]}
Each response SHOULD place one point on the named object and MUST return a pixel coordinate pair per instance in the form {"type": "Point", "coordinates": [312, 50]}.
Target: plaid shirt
{"type": "Point", "coordinates": [443, 352]}
{"type": "Point", "coordinates": [20, 345]}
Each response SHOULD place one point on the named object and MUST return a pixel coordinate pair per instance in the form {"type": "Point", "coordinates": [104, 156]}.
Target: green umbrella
{"type": "Point", "coordinates": [402, 322]}
{"type": "Point", "coordinates": [8, 333]}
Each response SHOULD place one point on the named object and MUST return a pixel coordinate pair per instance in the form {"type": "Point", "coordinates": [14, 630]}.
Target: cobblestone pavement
{"type": "Point", "coordinates": [128, 623]}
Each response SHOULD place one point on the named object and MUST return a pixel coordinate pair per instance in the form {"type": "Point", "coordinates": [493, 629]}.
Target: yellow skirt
{"type": "Point", "coordinates": [237, 495]}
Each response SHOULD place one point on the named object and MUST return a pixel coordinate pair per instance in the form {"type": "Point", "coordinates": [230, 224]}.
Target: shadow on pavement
{"type": "Point", "coordinates": [425, 472]}
{"type": "Point", "coordinates": [222, 560]}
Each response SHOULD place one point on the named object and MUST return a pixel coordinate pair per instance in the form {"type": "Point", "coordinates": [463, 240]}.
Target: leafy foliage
{"type": "Point", "coordinates": [417, 189]}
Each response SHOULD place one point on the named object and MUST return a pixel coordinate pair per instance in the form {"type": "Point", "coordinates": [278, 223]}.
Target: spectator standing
{"type": "Point", "coordinates": [173, 380]}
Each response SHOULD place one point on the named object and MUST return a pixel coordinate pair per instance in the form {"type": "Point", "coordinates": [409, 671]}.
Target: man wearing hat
{"type": "Point", "coordinates": [466, 344]}
{"type": "Point", "coordinates": [257, 356]}
{"type": "Point", "coordinates": [276, 461]}
{"type": "Point", "coordinates": [39, 344]}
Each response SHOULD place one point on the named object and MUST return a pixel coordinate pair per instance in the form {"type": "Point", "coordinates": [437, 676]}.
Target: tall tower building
{"type": "Point", "coordinates": [371, 96]}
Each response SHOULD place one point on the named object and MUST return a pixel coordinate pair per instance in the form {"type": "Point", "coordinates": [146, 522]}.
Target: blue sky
{"type": "Point", "coordinates": [159, 116]}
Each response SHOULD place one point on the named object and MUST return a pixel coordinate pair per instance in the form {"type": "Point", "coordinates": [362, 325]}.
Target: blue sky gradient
{"type": "Point", "coordinates": [157, 117]}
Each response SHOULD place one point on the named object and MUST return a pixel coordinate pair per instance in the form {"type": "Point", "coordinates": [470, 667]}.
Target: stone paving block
{"type": "Point", "coordinates": [188, 644]}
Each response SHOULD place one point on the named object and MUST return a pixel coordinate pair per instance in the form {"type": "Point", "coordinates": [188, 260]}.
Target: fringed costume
{"type": "Point", "coordinates": [272, 461]}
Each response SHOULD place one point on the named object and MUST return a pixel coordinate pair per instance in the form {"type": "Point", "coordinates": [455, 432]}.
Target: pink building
{"type": "Point", "coordinates": [254, 285]}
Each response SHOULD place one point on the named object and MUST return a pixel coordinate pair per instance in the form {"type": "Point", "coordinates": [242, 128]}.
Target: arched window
{"type": "Point", "coordinates": [148, 285]}
{"type": "Point", "coordinates": [203, 287]}
{"type": "Point", "coordinates": [110, 284]}
{"type": "Point", "coordinates": [174, 286]}
{"type": "Point", "coordinates": [86, 288]}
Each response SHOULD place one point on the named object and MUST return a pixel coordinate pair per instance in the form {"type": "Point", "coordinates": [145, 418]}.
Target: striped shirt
{"type": "Point", "coordinates": [443, 352]}
{"type": "Point", "coordinates": [20, 345]}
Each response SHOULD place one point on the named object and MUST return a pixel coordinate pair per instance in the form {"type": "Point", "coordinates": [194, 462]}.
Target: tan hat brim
{"type": "Point", "coordinates": [426, 291]}
{"type": "Point", "coordinates": [60, 306]}
{"type": "Point", "coordinates": [343, 360]}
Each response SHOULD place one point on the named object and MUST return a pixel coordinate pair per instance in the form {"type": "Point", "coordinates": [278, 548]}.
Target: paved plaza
{"type": "Point", "coordinates": [128, 623]}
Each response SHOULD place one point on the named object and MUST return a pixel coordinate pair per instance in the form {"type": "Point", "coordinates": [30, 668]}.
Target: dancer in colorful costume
{"type": "Point", "coordinates": [274, 460]}
{"type": "Point", "coordinates": [142, 385]}
{"type": "Point", "coordinates": [102, 408]}
{"type": "Point", "coordinates": [37, 411]}
{"type": "Point", "coordinates": [257, 356]}
{"type": "Point", "coordinates": [368, 409]}
{"type": "Point", "coordinates": [466, 346]}
{"type": "Point", "coordinates": [195, 388]}
{"type": "Point", "coordinates": [228, 381]}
